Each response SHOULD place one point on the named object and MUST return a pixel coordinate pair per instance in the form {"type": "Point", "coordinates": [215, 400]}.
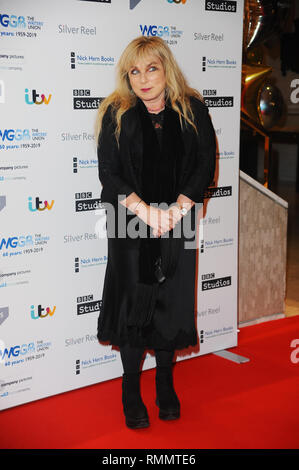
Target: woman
{"type": "Point", "coordinates": [156, 145]}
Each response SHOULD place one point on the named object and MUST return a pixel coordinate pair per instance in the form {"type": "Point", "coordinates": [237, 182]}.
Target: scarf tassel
{"type": "Point", "coordinates": [144, 306]}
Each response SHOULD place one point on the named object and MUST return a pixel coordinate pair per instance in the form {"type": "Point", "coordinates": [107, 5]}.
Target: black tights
{"type": "Point", "coordinates": [131, 358]}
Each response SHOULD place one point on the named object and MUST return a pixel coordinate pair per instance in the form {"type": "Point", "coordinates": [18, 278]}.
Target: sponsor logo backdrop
{"type": "Point", "coordinates": [55, 60]}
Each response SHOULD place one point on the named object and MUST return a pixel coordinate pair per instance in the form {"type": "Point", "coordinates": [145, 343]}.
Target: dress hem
{"type": "Point", "coordinates": [182, 340]}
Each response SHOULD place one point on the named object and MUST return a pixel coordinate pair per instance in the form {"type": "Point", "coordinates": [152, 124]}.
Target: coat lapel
{"type": "Point", "coordinates": [132, 140]}
{"type": "Point", "coordinates": [132, 143]}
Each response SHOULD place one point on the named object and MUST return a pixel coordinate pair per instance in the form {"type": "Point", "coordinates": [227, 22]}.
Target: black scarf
{"type": "Point", "coordinates": [160, 176]}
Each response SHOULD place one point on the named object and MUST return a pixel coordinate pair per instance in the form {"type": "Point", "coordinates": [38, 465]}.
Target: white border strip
{"type": "Point", "coordinates": [265, 318]}
{"type": "Point", "coordinates": [263, 189]}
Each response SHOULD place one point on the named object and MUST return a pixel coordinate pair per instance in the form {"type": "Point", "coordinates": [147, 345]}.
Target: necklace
{"type": "Point", "coordinates": [156, 111]}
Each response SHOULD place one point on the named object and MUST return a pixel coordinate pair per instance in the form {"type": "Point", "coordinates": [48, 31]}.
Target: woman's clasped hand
{"type": "Point", "coordinates": [161, 220]}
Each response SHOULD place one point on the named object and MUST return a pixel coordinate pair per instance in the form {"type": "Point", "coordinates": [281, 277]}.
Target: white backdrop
{"type": "Point", "coordinates": [56, 59]}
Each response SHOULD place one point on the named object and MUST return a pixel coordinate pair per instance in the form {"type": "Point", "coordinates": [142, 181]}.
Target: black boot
{"type": "Point", "coordinates": [167, 399]}
{"type": "Point", "coordinates": [134, 408]}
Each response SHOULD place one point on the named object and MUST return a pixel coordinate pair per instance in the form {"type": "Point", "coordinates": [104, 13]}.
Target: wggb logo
{"type": "Point", "coordinates": [16, 242]}
{"type": "Point", "coordinates": [153, 30]}
{"type": "Point", "coordinates": [170, 34]}
{"type": "Point", "coordinates": [12, 21]}
{"type": "Point", "coordinates": [16, 351]}
{"type": "Point", "coordinates": [14, 134]}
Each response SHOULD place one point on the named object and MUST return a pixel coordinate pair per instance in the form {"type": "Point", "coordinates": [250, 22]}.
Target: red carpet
{"type": "Point", "coordinates": [224, 405]}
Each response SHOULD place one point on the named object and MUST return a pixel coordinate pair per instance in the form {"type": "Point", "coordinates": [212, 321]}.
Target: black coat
{"type": "Point", "coordinates": [121, 173]}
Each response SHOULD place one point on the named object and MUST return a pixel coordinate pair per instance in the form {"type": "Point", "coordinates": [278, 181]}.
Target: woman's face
{"type": "Point", "coordinates": [147, 78]}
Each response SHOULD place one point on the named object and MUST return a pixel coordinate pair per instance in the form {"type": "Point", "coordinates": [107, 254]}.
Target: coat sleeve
{"type": "Point", "coordinates": [109, 163]}
{"type": "Point", "coordinates": [205, 161]}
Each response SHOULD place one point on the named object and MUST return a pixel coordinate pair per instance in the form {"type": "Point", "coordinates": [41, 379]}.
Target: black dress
{"type": "Point", "coordinates": [173, 322]}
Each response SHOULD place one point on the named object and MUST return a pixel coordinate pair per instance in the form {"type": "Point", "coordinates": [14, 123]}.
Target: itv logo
{"type": "Point", "coordinates": [35, 96]}
{"type": "Point", "coordinates": [39, 205]}
{"type": "Point", "coordinates": [41, 312]}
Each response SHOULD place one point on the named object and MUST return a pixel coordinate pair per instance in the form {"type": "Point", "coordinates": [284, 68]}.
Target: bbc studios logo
{"type": "Point", "coordinates": [83, 100]}
{"type": "Point", "coordinates": [87, 304]}
{"type": "Point", "coordinates": [85, 202]}
{"type": "Point", "coordinates": [222, 6]}
{"type": "Point", "coordinates": [210, 282]}
{"type": "Point", "coordinates": [220, 191]}
{"type": "Point", "coordinates": [213, 101]}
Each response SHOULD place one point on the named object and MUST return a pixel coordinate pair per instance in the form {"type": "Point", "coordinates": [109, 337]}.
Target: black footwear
{"type": "Point", "coordinates": [166, 400]}
{"type": "Point", "coordinates": [134, 408]}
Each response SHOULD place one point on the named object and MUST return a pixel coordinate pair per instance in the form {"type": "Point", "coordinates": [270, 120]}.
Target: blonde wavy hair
{"type": "Point", "coordinates": [178, 92]}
